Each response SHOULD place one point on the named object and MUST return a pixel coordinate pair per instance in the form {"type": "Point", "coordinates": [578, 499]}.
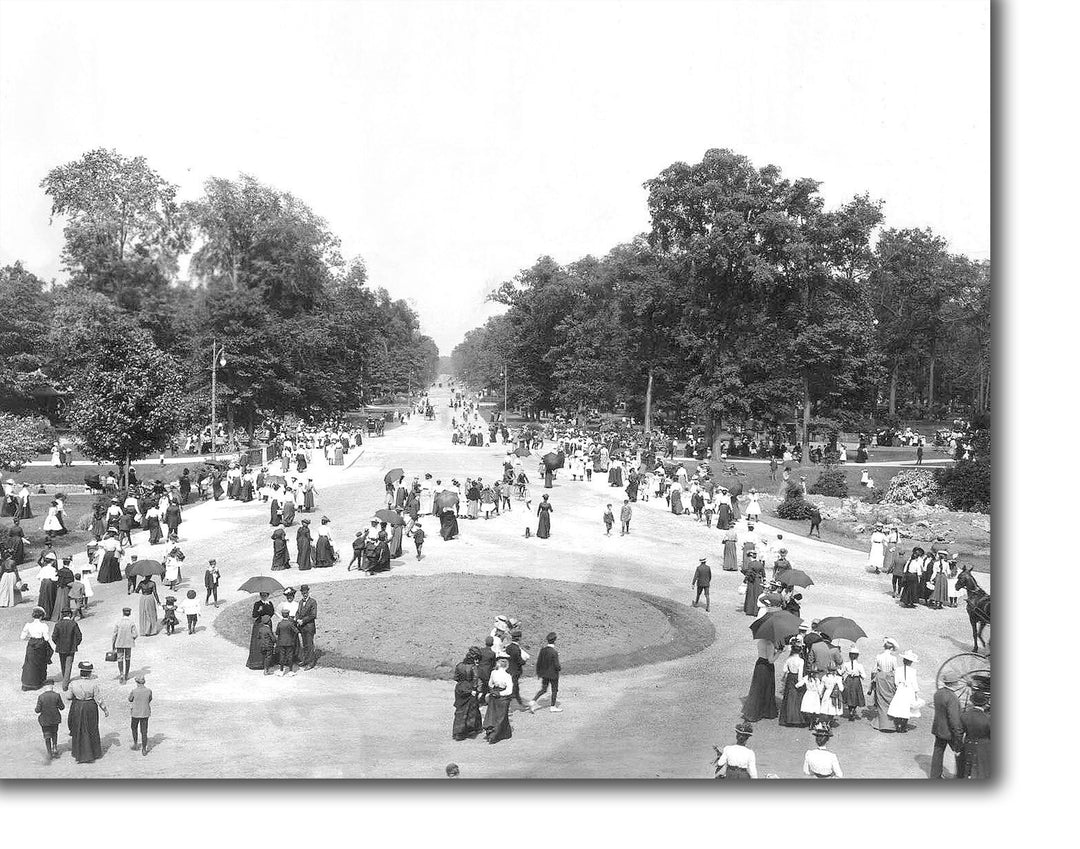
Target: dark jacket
{"type": "Point", "coordinates": [947, 715]}
{"type": "Point", "coordinates": [702, 575]}
{"type": "Point", "coordinates": [48, 707]}
{"type": "Point", "coordinates": [287, 633]}
{"type": "Point", "coordinates": [547, 663]}
{"type": "Point", "coordinates": [66, 636]}
{"type": "Point", "coordinates": [307, 612]}
{"type": "Point", "coordinates": [487, 663]}
{"type": "Point", "coordinates": [516, 663]}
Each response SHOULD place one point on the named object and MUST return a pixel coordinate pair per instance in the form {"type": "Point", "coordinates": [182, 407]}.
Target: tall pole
{"type": "Point", "coordinates": [213, 400]}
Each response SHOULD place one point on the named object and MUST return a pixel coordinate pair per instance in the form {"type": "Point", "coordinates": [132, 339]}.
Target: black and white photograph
{"type": "Point", "coordinates": [388, 388]}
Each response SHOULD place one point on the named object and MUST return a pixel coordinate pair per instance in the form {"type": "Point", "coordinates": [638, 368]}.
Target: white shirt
{"type": "Point", "coordinates": [35, 628]}
{"type": "Point", "coordinates": [501, 678]}
{"type": "Point", "coordinates": [738, 756]}
{"type": "Point", "coordinates": [190, 606]}
{"type": "Point", "coordinates": [290, 607]}
{"type": "Point", "coordinates": [821, 762]}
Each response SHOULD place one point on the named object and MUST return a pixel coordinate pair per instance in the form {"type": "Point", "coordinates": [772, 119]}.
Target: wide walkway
{"type": "Point", "coordinates": [214, 718]}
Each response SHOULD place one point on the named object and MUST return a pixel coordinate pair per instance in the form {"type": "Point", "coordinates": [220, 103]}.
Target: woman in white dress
{"type": "Point", "coordinates": [811, 700]}
{"type": "Point", "coordinates": [832, 695]}
{"type": "Point", "coordinates": [905, 702]}
{"type": "Point", "coordinates": [427, 497]}
{"type": "Point", "coordinates": [52, 525]}
{"type": "Point", "coordinates": [753, 508]}
{"type": "Point", "coordinates": [172, 567]}
{"type": "Point", "coordinates": [876, 559]}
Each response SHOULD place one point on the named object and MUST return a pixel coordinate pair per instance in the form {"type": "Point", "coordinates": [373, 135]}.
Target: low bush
{"type": "Point", "coordinates": [794, 506]}
{"type": "Point", "coordinates": [831, 481]}
{"type": "Point", "coordinates": [965, 486]}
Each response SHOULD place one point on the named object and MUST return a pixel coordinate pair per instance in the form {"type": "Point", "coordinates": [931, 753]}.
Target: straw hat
{"type": "Point", "coordinates": [910, 656]}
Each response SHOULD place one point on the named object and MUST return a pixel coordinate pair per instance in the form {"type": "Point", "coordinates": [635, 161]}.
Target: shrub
{"type": "Point", "coordinates": [830, 482]}
{"type": "Point", "coordinates": [910, 486]}
{"type": "Point", "coordinates": [794, 506]}
{"type": "Point", "coordinates": [965, 486]}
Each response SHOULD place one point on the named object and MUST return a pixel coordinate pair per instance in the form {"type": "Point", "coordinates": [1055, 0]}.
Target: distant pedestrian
{"type": "Point", "coordinates": [815, 521]}
{"type": "Point", "coordinates": [624, 517]}
{"type": "Point", "coordinates": [125, 632]}
{"type": "Point", "coordinates": [918, 454]}
{"type": "Point", "coordinates": [288, 637]}
{"type": "Point", "coordinates": [83, 715]}
{"type": "Point", "coordinates": [609, 520]}
{"type": "Point", "coordinates": [518, 659]}
{"type": "Point", "coordinates": [66, 636]}
{"type": "Point", "coordinates": [38, 651]}
{"type": "Point", "coordinates": [307, 612]}
{"type": "Point", "coordinates": [140, 699]}
{"type": "Point", "coordinates": [190, 606]}
{"type": "Point", "coordinates": [169, 620]}
{"type": "Point", "coordinates": [418, 540]}
{"type": "Point", "coordinates": [547, 670]}
{"type": "Point", "coordinates": [48, 708]}
{"type": "Point", "coordinates": [484, 666]}
{"type": "Point", "coordinates": [211, 580]}
{"type": "Point", "coordinates": [497, 719]}
{"type": "Point", "coordinates": [947, 729]}
{"type": "Point", "coordinates": [701, 580]}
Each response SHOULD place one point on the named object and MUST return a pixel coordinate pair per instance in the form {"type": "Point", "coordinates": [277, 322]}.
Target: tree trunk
{"type": "Point", "coordinates": [930, 387]}
{"type": "Point", "coordinates": [806, 410]}
{"type": "Point", "coordinates": [648, 402]}
{"type": "Point", "coordinates": [892, 387]}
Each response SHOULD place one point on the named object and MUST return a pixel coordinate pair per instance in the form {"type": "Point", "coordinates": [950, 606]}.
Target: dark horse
{"type": "Point", "coordinates": [978, 606]}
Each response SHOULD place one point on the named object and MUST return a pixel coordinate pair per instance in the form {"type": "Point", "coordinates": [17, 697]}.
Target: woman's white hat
{"type": "Point", "coordinates": [910, 655]}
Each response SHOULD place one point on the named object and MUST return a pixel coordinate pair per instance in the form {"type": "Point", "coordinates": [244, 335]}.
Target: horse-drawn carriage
{"type": "Point", "coordinates": [972, 669]}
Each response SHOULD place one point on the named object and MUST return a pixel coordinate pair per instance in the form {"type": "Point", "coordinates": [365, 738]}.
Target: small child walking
{"type": "Point", "coordinates": [191, 609]}
{"type": "Point", "coordinates": [418, 540]}
{"type": "Point", "coordinates": [48, 707]}
{"type": "Point", "coordinates": [170, 621]}
{"type": "Point", "coordinates": [609, 520]}
{"type": "Point", "coordinates": [709, 511]}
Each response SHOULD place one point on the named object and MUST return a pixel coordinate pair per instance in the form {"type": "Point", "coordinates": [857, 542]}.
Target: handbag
{"type": "Point", "coordinates": [110, 657]}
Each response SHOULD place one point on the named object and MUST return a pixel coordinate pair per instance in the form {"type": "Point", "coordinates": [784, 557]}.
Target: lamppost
{"type": "Point", "coordinates": [218, 354]}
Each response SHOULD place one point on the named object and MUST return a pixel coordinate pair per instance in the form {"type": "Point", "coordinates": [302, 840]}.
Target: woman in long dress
{"type": "Point", "coordinates": [149, 624]}
{"type": "Point", "coordinates": [753, 507]}
{"type": "Point", "coordinates": [83, 719]}
{"type": "Point", "coordinates": [876, 559]}
{"type": "Point", "coordinates": [853, 674]}
{"type": "Point", "coordinates": [275, 507]}
{"type": "Point", "coordinates": [892, 552]}
{"type": "Point", "coordinates": [976, 724]}
{"type": "Point", "coordinates": [10, 581]}
{"type": "Point", "coordinates": [761, 701]}
{"type": "Point", "coordinates": [448, 524]}
{"type": "Point", "coordinates": [614, 477]}
{"type": "Point", "coordinates": [324, 546]}
{"type": "Point", "coordinates": [394, 543]}
{"type": "Point", "coordinates": [35, 634]}
{"type": "Point", "coordinates": [110, 560]}
{"type": "Point", "coordinates": [791, 701]}
{"type": "Point", "coordinates": [904, 705]}
{"type": "Point", "coordinates": [909, 592]}
{"type": "Point", "coordinates": [303, 545]}
{"type": "Point", "coordinates": [883, 685]}
{"type": "Point", "coordinates": [172, 563]}
{"type": "Point", "coordinates": [467, 720]}
{"type": "Point", "coordinates": [47, 578]}
{"type": "Point", "coordinates": [246, 488]}
{"type": "Point", "coordinates": [309, 497]}
{"type": "Point", "coordinates": [52, 525]}
{"type": "Point", "coordinates": [262, 608]}
{"type": "Point", "coordinates": [754, 573]}
{"type": "Point", "coordinates": [675, 498]}
{"type": "Point", "coordinates": [544, 511]}
{"type": "Point", "coordinates": [633, 482]}
{"type": "Point", "coordinates": [497, 719]}
{"type": "Point", "coordinates": [280, 560]}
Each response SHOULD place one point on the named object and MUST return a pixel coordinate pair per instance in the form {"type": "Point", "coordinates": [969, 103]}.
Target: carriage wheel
{"type": "Point", "coordinates": [972, 669]}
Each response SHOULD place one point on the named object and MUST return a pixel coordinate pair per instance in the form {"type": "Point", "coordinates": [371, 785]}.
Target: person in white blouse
{"type": "Point", "coordinates": [820, 762]}
{"type": "Point", "coordinates": [738, 761]}
{"type": "Point", "coordinates": [905, 704]}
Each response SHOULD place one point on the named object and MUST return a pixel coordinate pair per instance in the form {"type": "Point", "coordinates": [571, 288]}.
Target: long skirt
{"type": "Point", "coordinates": [149, 624]}
{"type": "Point", "coordinates": [154, 526]}
{"type": "Point", "coordinates": [736, 773]}
{"type": "Point", "coordinates": [854, 697]}
{"type": "Point", "coordinates": [62, 602]}
{"type": "Point", "coordinates": [753, 590]}
{"type": "Point", "coordinates": [9, 590]}
{"type": "Point", "coordinates": [309, 501]}
{"type": "Point", "coordinates": [940, 593]}
{"type": "Point", "coordinates": [761, 701]}
{"type": "Point", "coordinates": [614, 476]}
{"type": "Point", "coordinates": [884, 690]}
{"type": "Point", "coordinates": [791, 703]}
{"type": "Point", "coordinates": [632, 491]}
{"type": "Point", "coordinates": [245, 491]}
{"type": "Point", "coordinates": [676, 503]}
{"type": "Point", "coordinates": [909, 595]}
{"type": "Point", "coordinates": [83, 727]}
{"type": "Point", "coordinates": [448, 525]}
{"type": "Point", "coordinates": [547, 479]}
{"type": "Point", "coordinates": [281, 558]}
{"type": "Point", "coordinates": [543, 527]}
{"type": "Point", "coordinates": [324, 553]}
{"type": "Point", "coordinates": [395, 541]}
{"type": "Point", "coordinates": [730, 557]}
{"type": "Point", "coordinates": [303, 554]}
{"type": "Point", "coordinates": [47, 597]}
{"type": "Point", "coordinates": [255, 656]}
{"type": "Point", "coordinates": [36, 664]}
{"type": "Point", "coordinates": [497, 719]}
{"type": "Point", "coordinates": [110, 569]}
{"type": "Point", "coordinates": [467, 722]}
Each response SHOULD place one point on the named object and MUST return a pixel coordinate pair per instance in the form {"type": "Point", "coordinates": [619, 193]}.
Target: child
{"type": "Point", "coordinates": [832, 703]}
{"type": "Point", "coordinates": [49, 705]}
{"type": "Point", "coordinates": [950, 580]}
{"type": "Point", "coordinates": [504, 496]}
{"type": "Point", "coordinates": [418, 540]}
{"type": "Point", "coordinates": [190, 606]}
{"type": "Point", "coordinates": [853, 674]}
{"type": "Point", "coordinates": [497, 490]}
{"type": "Point", "coordinates": [710, 510]}
{"type": "Point", "coordinates": [77, 596]}
{"type": "Point", "coordinates": [170, 620]}
{"type": "Point", "coordinates": [609, 520]}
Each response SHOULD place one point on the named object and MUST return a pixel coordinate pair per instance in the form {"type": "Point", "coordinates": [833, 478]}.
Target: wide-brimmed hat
{"type": "Point", "coordinates": [889, 643]}
{"type": "Point", "coordinates": [910, 655]}
{"type": "Point", "coordinates": [288, 591]}
{"type": "Point", "coordinates": [820, 729]}
{"type": "Point", "coordinates": [502, 656]}
{"type": "Point", "coordinates": [744, 728]}
{"type": "Point", "coordinates": [86, 666]}
{"type": "Point", "coordinates": [950, 678]}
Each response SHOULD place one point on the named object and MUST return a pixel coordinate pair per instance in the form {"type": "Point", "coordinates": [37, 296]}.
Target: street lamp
{"type": "Point", "coordinates": [218, 355]}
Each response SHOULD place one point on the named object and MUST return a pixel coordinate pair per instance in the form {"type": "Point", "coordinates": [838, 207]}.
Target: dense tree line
{"type": "Point", "coordinates": [746, 302]}
{"type": "Point", "coordinates": [302, 331]}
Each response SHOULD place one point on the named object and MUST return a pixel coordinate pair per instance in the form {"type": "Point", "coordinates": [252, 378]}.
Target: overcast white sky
{"type": "Point", "coordinates": [451, 144]}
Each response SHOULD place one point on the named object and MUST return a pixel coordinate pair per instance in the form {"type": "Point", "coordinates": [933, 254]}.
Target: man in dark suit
{"type": "Point", "coordinates": [947, 729]}
{"type": "Point", "coordinates": [484, 667]}
{"type": "Point", "coordinates": [702, 578]}
{"type": "Point", "coordinates": [517, 665]}
{"type": "Point", "coordinates": [287, 638]}
{"type": "Point", "coordinates": [306, 614]}
{"type": "Point", "coordinates": [547, 670]}
{"type": "Point", "coordinates": [66, 636]}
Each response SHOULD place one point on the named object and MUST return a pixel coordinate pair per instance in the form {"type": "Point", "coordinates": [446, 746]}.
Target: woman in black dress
{"type": "Point", "coordinates": [448, 524]}
{"type": "Point", "coordinates": [544, 511]}
{"type": "Point", "coordinates": [467, 721]}
{"type": "Point", "coordinates": [761, 700]}
{"type": "Point", "coordinates": [281, 551]}
{"type": "Point", "coordinates": [909, 592]}
{"type": "Point", "coordinates": [38, 651]}
{"type": "Point", "coordinates": [275, 507]}
{"type": "Point", "coordinates": [262, 608]}
{"type": "Point", "coordinates": [303, 545]}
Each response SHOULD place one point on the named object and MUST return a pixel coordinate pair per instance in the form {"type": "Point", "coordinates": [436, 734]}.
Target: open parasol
{"type": "Point", "coordinates": [553, 461]}
{"type": "Point", "coordinates": [391, 517]}
{"type": "Point", "coordinates": [776, 626]}
{"type": "Point", "coordinates": [841, 628]}
{"type": "Point", "coordinates": [795, 578]}
{"type": "Point", "coordinates": [275, 479]}
{"type": "Point", "coordinates": [446, 501]}
{"type": "Point", "coordinates": [144, 567]}
{"type": "Point", "coordinates": [261, 584]}
{"type": "Point", "coordinates": [393, 476]}
{"type": "Point", "coordinates": [522, 452]}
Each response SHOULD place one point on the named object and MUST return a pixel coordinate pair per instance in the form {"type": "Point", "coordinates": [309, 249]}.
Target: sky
{"type": "Point", "coordinates": [451, 144]}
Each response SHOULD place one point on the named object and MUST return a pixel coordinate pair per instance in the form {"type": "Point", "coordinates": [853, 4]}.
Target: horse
{"type": "Point", "coordinates": [978, 606]}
